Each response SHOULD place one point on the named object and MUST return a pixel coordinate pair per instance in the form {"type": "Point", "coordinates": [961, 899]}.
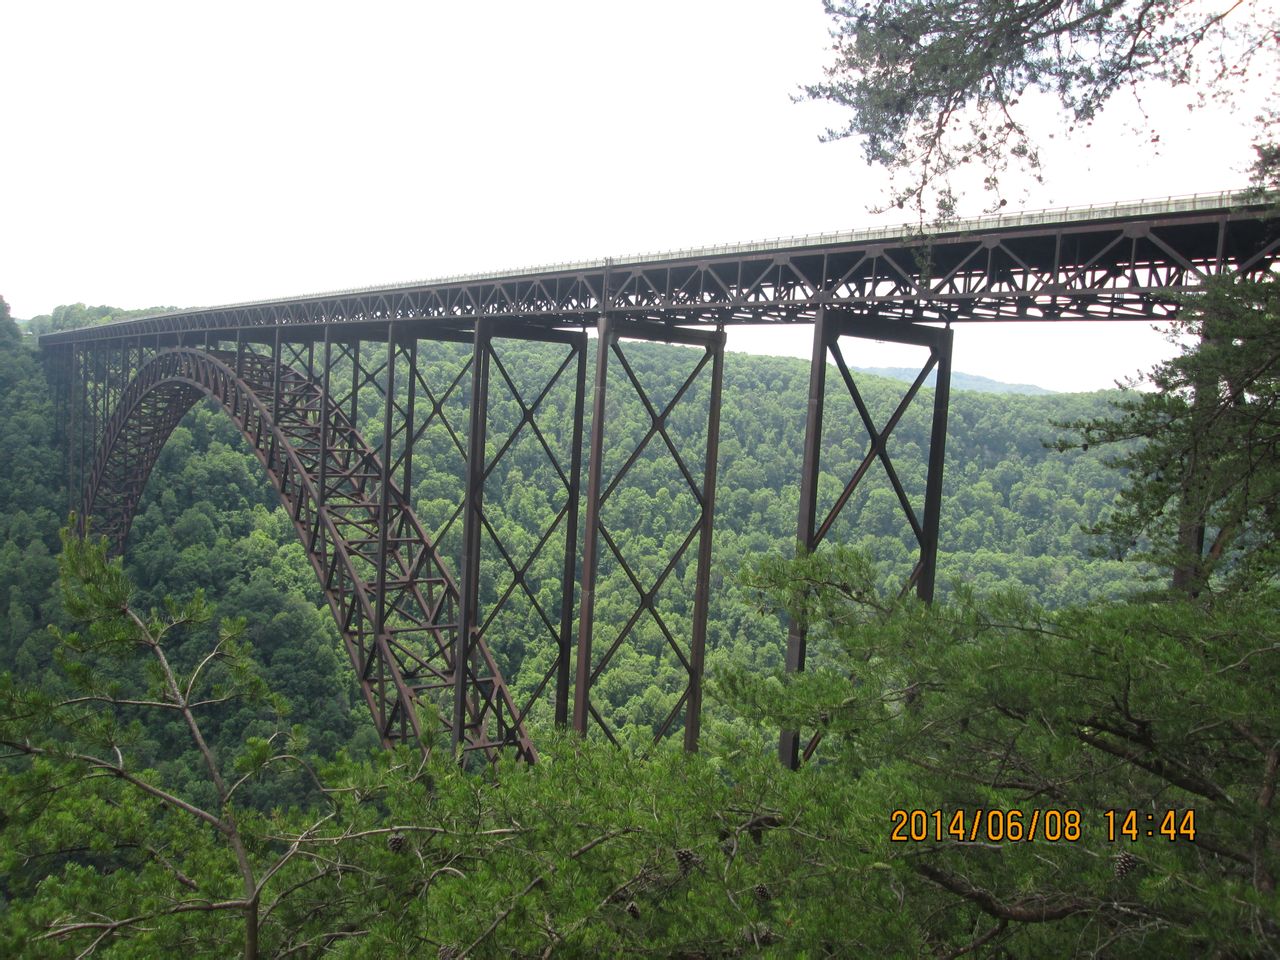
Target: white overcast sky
{"type": "Point", "coordinates": [185, 154]}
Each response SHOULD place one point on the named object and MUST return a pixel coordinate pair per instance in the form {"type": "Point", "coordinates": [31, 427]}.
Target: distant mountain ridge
{"type": "Point", "coordinates": [959, 381]}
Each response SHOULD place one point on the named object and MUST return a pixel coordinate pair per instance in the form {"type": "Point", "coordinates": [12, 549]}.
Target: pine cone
{"type": "Point", "coordinates": [687, 860]}
{"type": "Point", "coordinates": [633, 911]}
{"type": "Point", "coordinates": [762, 893]}
{"type": "Point", "coordinates": [1123, 864]}
{"type": "Point", "coordinates": [395, 842]}
{"type": "Point", "coordinates": [447, 952]}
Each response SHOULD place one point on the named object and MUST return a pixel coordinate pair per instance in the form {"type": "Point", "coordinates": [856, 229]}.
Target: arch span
{"type": "Point", "coordinates": [394, 601]}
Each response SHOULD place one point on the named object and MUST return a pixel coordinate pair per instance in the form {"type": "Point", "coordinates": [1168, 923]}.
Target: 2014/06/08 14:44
{"type": "Point", "coordinates": [1132, 824]}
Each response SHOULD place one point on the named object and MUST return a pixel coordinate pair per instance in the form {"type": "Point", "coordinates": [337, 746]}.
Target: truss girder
{"type": "Point", "coordinates": [1127, 268]}
{"type": "Point", "coordinates": [394, 601]}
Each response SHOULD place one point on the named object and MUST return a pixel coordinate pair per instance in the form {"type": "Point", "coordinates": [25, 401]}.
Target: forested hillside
{"type": "Point", "coordinates": [189, 769]}
{"type": "Point", "coordinates": [1013, 513]}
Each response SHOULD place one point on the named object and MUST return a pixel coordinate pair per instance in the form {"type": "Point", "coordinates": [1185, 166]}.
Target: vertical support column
{"type": "Point", "coordinates": [407, 458]}
{"type": "Point", "coordinates": [132, 361]}
{"type": "Point", "coordinates": [95, 381]}
{"type": "Point", "coordinates": [275, 390]}
{"type": "Point", "coordinates": [66, 389]}
{"type": "Point", "coordinates": [789, 744]}
{"type": "Point", "coordinates": [702, 595]}
{"type": "Point", "coordinates": [56, 366]}
{"type": "Point", "coordinates": [86, 429]}
{"type": "Point", "coordinates": [115, 372]}
{"type": "Point", "coordinates": [75, 428]}
{"type": "Point", "coordinates": [118, 376]}
{"type": "Point", "coordinates": [105, 385]}
{"type": "Point", "coordinates": [89, 435]}
{"type": "Point", "coordinates": [78, 399]}
{"type": "Point", "coordinates": [384, 500]}
{"type": "Point", "coordinates": [108, 384]}
{"type": "Point", "coordinates": [323, 480]}
{"type": "Point", "coordinates": [355, 382]}
{"type": "Point", "coordinates": [468, 621]}
{"type": "Point", "coordinates": [591, 542]}
{"type": "Point", "coordinates": [569, 579]}
{"type": "Point", "coordinates": [937, 458]}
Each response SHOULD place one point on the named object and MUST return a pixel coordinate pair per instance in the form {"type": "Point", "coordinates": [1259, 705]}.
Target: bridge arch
{"type": "Point", "coordinates": [394, 601]}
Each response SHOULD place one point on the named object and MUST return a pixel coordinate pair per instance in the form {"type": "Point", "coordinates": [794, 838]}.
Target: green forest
{"type": "Point", "coordinates": [1073, 751]}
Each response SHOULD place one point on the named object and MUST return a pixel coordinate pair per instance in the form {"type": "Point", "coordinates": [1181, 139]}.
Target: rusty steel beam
{"type": "Point", "coordinates": [806, 542]}
{"type": "Point", "coordinates": [928, 565]}
{"type": "Point", "coordinates": [1123, 263]}
{"type": "Point", "coordinates": [591, 540]}
{"type": "Point", "coordinates": [473, 505]}
{"type": "Point", "coordinates": [388, 589]}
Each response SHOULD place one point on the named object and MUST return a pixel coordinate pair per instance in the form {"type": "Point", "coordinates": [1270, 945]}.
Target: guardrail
{"type": "Point", "coordinates": [1183, 203]}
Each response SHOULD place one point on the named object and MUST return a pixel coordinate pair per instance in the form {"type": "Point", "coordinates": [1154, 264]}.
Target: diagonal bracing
{"type": "Point", "coordinates": [388, 589]}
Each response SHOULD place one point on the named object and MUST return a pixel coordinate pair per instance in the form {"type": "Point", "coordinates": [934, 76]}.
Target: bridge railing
{"type": "Point", "coordinates": [1184, 203]}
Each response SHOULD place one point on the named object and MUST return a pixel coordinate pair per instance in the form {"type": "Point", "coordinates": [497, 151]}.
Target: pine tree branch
{"type": "Point", "coordinates": [1034, 909]}
{"type": "Point", "coordinates": [1161, 768]}
{"type": "Point", "coordinates": [541, 879]}
{"type": "Point", "coordinates": [980, 942]}
{"type": "Point", "coordinates": [114, 770]}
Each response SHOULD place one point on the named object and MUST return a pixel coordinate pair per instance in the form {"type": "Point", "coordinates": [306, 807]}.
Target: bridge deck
{"type": "Point", "coordinates": [1114, 262]}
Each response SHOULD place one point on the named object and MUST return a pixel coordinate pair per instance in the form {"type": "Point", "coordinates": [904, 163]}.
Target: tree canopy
{"type": "Point", "coordinates": [935, 85]}
{"type": "Point", "coordinates": [1202, 498]}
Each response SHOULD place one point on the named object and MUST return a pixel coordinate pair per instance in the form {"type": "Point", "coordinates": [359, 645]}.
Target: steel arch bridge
{"type": "Point", "coordinates": [291, 373]}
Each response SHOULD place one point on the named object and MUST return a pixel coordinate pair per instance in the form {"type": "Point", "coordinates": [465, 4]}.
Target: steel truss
{"type": "Point", "coordinates": [1110, 267]}
{"type": "Point", "coordinates": [591, 664]}
{"type": "Point", "coordinates": [830, 326]}
{"type": "Point", "coordinates": [478, 618]}
{"type": "Point", "coordinates": [93, 376]}
{"type": "Point", "coordinates": [388, 589]}
{"type": "Point", "coordinates": [301, 376]}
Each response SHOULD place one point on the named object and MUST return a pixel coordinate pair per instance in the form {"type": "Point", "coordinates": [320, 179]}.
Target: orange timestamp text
{"type": "Point", "coordinates": [1051, 825]}
{"type": "Point", "coordinates": [996, 826]}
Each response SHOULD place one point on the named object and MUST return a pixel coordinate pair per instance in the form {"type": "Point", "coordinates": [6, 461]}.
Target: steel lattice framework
{"type": "Point", "coordinates": [387, 587]}
{"type": "Point", "coordinates": [295, 373]}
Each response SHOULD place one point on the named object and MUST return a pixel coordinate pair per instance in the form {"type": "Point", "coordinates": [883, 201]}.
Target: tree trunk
{"type": "Point", "coordinates": [251, 930]}
{"type": "Point", "coordinates": [1189, 572]}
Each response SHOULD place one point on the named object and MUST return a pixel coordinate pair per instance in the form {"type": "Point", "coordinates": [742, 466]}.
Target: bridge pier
{"type": "Point", "coordinates": [611, 331]}
{"type": "Point", "coordinates": [475, 622]}
{"type": "Point", "coordinates": [829, 326]}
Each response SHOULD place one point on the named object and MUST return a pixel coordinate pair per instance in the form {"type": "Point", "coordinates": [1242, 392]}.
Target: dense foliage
{"type": "Point", "coordinates": [1000, 707]}
{"type": "Point", "coordinates": [1205, 496]}
{"type": "Point", "coordinates": [935, 86]}
{"type": "Point", "coordinates": [1014, 514]}
{"type": "Point", "coordinates": [196, 775]}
